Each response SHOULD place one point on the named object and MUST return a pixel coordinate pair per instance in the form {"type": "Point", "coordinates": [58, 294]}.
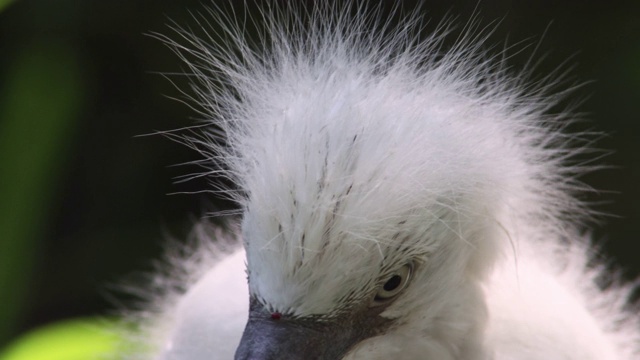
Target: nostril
{"type": "Point", "coordinates": [276, 316]}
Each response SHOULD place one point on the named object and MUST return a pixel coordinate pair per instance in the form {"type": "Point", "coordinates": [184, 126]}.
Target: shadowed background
{"type": "Point", "coordinates": [83, 201]}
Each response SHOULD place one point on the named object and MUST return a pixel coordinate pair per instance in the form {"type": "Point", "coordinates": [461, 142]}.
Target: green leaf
{"type": "Point", "coordinates": [80, 339]}
{"type": "Point", "coordinates": [4, 4]}
{"type": "Point", "coordinates": [39, 107]}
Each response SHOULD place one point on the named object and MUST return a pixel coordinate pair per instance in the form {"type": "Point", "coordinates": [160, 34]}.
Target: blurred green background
{"type": "Point", "coordinates": [83, 200]}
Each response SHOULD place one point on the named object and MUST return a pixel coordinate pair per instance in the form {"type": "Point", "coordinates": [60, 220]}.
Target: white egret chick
{"type": "Point", "coordinates": [400, 200]}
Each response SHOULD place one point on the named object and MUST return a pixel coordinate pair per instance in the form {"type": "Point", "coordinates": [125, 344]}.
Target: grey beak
{"type": "Point", "coordinates": [277, 339]}
{"type": "Point", "coordinates": [271, 338]}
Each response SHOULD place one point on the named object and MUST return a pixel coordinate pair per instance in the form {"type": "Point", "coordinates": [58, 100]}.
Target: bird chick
{"type": "Point", "coordinates": [399, 200]}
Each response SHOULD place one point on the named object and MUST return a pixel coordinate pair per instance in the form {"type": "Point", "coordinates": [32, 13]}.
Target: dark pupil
{"type": "Point", "coordinates": [392, 283]}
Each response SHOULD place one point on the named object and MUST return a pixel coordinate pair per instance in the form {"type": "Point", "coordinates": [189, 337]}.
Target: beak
{"type": "Point", "coordinates": [277, 337]}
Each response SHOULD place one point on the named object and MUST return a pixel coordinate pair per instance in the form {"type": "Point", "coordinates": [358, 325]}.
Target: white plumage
{"type": "Point", "coordinates": [399, 201]}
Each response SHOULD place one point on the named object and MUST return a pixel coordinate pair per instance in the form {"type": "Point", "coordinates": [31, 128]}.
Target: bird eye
{"type": "Point", "coordinates": [394, 284]}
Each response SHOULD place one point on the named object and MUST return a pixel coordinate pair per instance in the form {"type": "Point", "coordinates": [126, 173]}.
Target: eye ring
{"type": "Point", "coordinates": [393, 285]}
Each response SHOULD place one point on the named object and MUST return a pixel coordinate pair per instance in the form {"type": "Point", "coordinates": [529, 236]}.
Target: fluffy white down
{"type": "Point", "coordinates": [355, 153]}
